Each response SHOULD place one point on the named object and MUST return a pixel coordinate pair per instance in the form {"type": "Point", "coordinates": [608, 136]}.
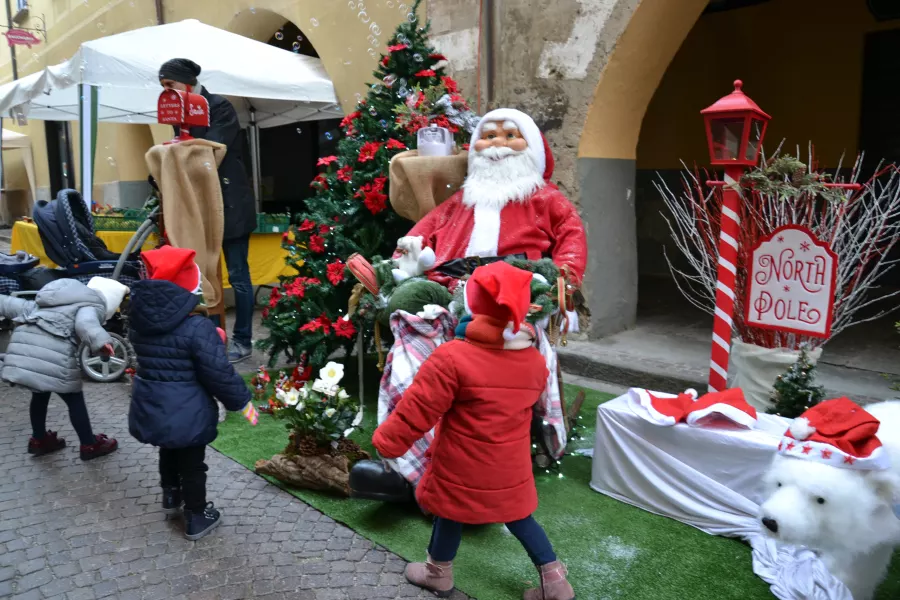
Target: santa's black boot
{"type": "Point", "coordinates": [370, 480]}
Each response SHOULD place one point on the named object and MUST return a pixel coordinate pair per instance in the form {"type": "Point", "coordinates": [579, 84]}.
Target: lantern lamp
{"type": "Point", "coordinates": [735, 128]}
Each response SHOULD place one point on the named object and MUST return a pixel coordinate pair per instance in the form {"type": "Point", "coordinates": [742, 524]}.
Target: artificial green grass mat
{"type": "Point", "coordinates": [612, 550]}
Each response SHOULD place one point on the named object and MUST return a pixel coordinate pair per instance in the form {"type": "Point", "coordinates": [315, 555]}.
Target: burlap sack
{"type": "Point", "coordinates": [420, 183]}
{"type": "Point", "coordinates": [188, 179]}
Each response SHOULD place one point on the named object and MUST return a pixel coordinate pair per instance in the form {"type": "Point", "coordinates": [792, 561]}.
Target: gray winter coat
{"type": "Point", "coordinates": [42, 352]}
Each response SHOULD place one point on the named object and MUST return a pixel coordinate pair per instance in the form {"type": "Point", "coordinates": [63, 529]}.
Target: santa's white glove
{"type": "Point", "coordinates": [414, 260]}
{"type": "Point", "coordinates": [430, 312]}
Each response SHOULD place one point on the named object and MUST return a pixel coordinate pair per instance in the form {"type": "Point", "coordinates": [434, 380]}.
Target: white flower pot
{"type": "Point", "coordinates": [754, 369]}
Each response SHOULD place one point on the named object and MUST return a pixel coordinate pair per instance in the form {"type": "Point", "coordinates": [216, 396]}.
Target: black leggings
{"type": "Point", "coordinates": [184, 468]}
{"type": "Point", "coordinates": [77, 414]}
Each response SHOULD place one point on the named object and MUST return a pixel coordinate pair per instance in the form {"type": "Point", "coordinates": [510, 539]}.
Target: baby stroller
{"type": "Point", "coordinates": [67, 233]}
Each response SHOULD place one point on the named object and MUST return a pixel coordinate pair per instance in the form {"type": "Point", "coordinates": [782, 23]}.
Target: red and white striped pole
{"type": "Point", "coordinates": [726, 280]}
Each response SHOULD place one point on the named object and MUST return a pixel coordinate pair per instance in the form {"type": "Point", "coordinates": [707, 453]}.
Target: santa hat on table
{"type": "Point", "coordinates": [538, 147]}
{"type": "Point", "coordinates": [502, 292]}
{"type": "Point", "coordinates": [112, 291]}
{"type": "Point", "coordinates": [838, 433]}
{"type": "Point", "coordinates": [175, 265]}
{"type": "Point", "coordinates": [696, 411]}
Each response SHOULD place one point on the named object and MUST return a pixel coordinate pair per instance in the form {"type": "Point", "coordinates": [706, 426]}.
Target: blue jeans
{"type": "Point", "coordinates": [446, 536]}
{"type": "Point", "coordinates": [236, 254]}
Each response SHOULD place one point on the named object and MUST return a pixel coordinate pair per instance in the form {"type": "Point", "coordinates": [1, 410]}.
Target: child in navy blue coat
{"type": "Point", "coordinates": [182, 370]}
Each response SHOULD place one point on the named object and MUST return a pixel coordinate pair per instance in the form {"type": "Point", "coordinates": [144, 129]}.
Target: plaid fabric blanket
{"type": "Point", "coordinates": [415, 339]}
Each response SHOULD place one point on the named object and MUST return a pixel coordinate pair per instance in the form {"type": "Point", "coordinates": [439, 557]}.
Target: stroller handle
{"type": "Point", "coordinates": [137, 241]}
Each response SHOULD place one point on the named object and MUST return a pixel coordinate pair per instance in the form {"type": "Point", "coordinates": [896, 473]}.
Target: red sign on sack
{"type": "Point", "coordinates": [790, 286]}
{"type": "Point", "coordinates": [20, 37]}
{"type": "Point", "coordinates": [182, 109]}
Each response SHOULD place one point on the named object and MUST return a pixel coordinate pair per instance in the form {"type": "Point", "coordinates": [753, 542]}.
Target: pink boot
{"type": "Point", "coordinates": [554, 585]}
{"type": "Point", "coordinates": [436, 577]}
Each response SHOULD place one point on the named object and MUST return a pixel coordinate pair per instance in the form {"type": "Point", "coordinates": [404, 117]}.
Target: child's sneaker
{"type": "Point", "coordinates": [102, 446]}
{"type": "Point", "coordinates": [171, 500]}
{"type": "Point", "coordinates": [199, 523]}
{"type": "Point", "coordinates": [47, 444]}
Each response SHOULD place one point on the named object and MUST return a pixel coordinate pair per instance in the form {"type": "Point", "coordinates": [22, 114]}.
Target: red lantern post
{"type": "Point", "coordinates": [735, 128]}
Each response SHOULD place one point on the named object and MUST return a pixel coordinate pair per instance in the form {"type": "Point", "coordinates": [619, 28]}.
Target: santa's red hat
{"type": "Point", "coordinates": [668, 410]}
{"type": "Point", "coordinates": [173, 264]}
{"type": "Point", "coordinates": [500, 291]}
{"type": "Point", "coordinates": [839, 433]}
{"type": "Point", "coordinates": [538, 147]}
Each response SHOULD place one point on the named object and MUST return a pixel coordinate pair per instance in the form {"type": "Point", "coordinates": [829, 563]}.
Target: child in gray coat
{"type": "Point", "coordinates": [42, 354]}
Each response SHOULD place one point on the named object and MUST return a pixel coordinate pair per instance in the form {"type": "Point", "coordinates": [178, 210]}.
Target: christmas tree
{"type": "Point", "coordinates": [350, 212]}
{"type": "Point", "coordinates": [794, 391]}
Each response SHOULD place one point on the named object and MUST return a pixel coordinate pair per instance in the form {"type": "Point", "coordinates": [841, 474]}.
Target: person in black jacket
{"type": "Point", "coordinates": [240, 205]}
{"type": "Point", "coordinates": [182, 370]}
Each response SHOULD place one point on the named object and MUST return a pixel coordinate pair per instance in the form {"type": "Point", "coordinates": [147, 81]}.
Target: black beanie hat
{"type": "Point", "coordinates": [181, 70]}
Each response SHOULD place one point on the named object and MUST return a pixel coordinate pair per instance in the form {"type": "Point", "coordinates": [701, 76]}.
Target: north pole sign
{"type": "Point", "coordinates": [790, 286]}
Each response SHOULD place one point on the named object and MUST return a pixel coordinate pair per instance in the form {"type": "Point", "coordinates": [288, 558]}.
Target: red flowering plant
{"type": "Point", "coordinates": [350, 211]}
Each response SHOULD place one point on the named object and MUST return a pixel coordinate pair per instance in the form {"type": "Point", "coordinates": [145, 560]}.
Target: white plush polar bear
{"type": "Point", "coordinates": [842, 506]}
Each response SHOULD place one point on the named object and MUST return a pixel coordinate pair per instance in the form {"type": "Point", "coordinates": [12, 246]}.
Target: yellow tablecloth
{"type": "Point", "coordinates": [266, 254]}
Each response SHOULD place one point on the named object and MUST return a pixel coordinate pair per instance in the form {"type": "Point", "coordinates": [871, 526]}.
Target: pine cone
{"type": "Point", "coordinates": [798, 176]}
{"type": "Point", "coordinates": [306, 446]}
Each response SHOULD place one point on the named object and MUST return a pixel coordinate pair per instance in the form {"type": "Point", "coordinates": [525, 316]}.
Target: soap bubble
{"type": "Point", "coordinates": [372, 40]}
{"type": "Point", "coordinates": [252, 10]}
{"type": "Point", "coordinates": [299, 130]}
{"type": "Point", "coordinates": [402, 38]}
{"type": "Point", "coordinates": [314, 22]}
{"type": "Point", "coordinates": [296, 46]}
{"type": "Point", "coordinates": [226, 181]}
{"type": "Point", "coordinates": [299, 38]}
{"type": "Point", "coordinates": [358, 97]}
{"type": "Point", "coordinates": [36, 57]}
{"type": "Point", "coordinates": [390, 4]}
{"type": "Point", "coordinates": [347, 63]}
{"type": "Point", "coordinates": [328, 136]}
{"type": "Point", "coordinates": [403, 8]}
{"type": "Point", "coordinates": [111, 161]}
{"type": "Point", "coordinates": [372, 53]}
{"type": "Point", "coordinates": [351, 5]}
{"type": "Point", "coordinates": [375, 29]}
{"type": "Point", "coordinates": [383, 124]}
{"type": "Point", "coordinates": [208, 166]}
{"type": "Point", "coordinates": [418, 57]}
{"type": "Point", "coordinates": [411, 17]}
{"type": "Point", "coordinates": [389, 80]}
{"type": "Point", "coordinates": [101, 27]}
{"type": "Point", "coordinates": [377, 88]}
{"type": "Point", "coordinates": [364, 16]}
{"type": "Point", "coordinates": [403, 92]}
{"type": "Point", "coordinates": [279, 35]}
{"type": "Point", "coordinates": [373, 111]}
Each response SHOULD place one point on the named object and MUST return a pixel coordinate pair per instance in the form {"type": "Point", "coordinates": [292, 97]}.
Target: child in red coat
{"type": "Point", "coordinates": [479, 390]}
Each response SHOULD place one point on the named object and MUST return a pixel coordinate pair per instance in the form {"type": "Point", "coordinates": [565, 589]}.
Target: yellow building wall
{"type": "Point", "coordinates": [800, 60]}
{"type": "Point", "coordinates": [342, 32]}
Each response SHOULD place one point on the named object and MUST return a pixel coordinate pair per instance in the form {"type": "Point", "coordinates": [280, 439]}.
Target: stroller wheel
{"type": "Point", "coordinates": [101, 369]}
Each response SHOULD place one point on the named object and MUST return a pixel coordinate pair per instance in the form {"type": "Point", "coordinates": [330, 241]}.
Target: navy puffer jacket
{"type": "Point", "coordinates": [182, 367]}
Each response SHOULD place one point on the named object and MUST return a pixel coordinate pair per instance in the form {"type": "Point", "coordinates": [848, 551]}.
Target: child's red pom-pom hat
{"type": "Point", "coordinates": [500, 291]}
{"type": "Point", "coordinates": [173, 264]}
{"type": "Point", "coordinates": [839, 433]}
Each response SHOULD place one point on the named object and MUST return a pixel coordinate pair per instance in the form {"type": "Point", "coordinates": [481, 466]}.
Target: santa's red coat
{"type": "Point", "coordinates": [547, 224]}
{"type": "Point", "coordinates": [480, 470]}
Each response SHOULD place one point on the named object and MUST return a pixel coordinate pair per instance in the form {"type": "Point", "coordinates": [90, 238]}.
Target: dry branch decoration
{"type": "Point", "coordinates": [861, 226]}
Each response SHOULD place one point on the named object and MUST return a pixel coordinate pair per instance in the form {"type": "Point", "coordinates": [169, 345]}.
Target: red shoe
{"type": "Point", "coordinates": [47, 444]}
{"type": "Point", "coordinates": [101, 447]}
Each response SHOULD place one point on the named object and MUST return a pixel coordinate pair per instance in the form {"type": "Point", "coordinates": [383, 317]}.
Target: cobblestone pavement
{"type": "Point", "coordinates": [77, 531]}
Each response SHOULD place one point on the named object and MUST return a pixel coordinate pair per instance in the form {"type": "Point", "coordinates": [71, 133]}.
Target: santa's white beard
{"type": "Point", "coordinates": [500, 175]}
{"type": "Point", "coordinates": [492, 184]}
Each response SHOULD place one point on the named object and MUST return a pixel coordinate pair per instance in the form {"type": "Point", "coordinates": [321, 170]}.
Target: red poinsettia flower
{"type": "Point", "coordinates": [345, 174]}
{"type": "Point", "coordinates": [465, 147]}
{"type": "Point", "coordinates": [336, 272]}
{"type": "Point", "coordinates": [344, 328]}
{"type": "Point", "coordinates": [321, 323]}
{"type": "Point", "coordinates": [450, 84]}
{"type": "Point", "coordinates": [416, 123]}
{"type": "Point", "coordinates": [307, 225]}
{"type": "Point", "coordinates": [395, 145]}
{"type": "Point", "coordinates": [420, 100]}
{"type": "Point", "coordinates": [337, 219]}
{"type": "Point", "coordinates": [295, 289]}
{"type": "Point", "coordinates": [385, 60]}
{"type": "Point", "coordinates": [368, 151]}
{"type": "Point", "coordinates": [397, 47]}
{"type": "Point", "coordinates": [324, 229]}
{"type": "Point", "coordinates": [274, 297]}
{"type": "Point", "coordinates": [442, 121]}
{"type": "Point", "coordinates": [316, 244]}
{"type": "Point", "coordinates": [326, 160]}
{"type": "Point", "coordinates": [348, 120]}
{"type": "Point", "coordinates": [375, 202]}
{"type": "Point", "coordinates": [265, 313]}
{"type": "Point", "coordinates": [378, 184]}
{"type": "Point", "coordinates": [320, 180]}
{"type": "Point", "coordinates": [426, 73]}
{"type": "Point", "coordinates": [437, 57]}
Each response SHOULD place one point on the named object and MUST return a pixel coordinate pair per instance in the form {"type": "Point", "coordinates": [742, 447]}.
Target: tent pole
{"type": "Point", "coordinates": [87, 119]}
{"type": "Point", "coordinates": [254, 158]}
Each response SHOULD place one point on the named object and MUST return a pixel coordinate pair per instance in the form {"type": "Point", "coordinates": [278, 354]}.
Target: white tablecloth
{"type": "Point", "coordinates": [709, 479]}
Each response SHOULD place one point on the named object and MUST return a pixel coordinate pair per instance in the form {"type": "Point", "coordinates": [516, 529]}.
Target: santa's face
{"type": "Point", "coordinates": [502, 168]}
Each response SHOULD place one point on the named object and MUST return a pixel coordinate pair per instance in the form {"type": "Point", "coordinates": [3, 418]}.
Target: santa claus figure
{"type": "Point", "coordinates": [506, 208]}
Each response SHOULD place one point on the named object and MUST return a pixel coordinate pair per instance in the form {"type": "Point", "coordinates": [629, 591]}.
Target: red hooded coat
{"type": "Point", "coordinates": [481, 398]}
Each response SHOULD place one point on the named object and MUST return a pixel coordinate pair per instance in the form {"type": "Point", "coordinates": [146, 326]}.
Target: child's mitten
{"type": "Point", "coordinates": [222, 334]}
{"type": "Point", "coordinates": [250, 413]}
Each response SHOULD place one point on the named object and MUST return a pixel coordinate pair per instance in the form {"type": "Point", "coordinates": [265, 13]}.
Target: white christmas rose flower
{"type": "Point", "coordinates": [304, 392]}
{"type": "Point", "coordinates": [279, 394]}
{"type": "Point", "coordinates": [300, 406]}
{"type": "Point", "coordinates": [343, 395]}
{"type": "Point", "coordinates": [332, 373]}
{"type": "Point", "coordinates": [292, 397]}
{"type": "Point", "coordinates": [329, 412]}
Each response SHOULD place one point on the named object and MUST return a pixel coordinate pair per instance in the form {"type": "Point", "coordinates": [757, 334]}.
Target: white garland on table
{"type": "Point", "coordinates": [861, 229]}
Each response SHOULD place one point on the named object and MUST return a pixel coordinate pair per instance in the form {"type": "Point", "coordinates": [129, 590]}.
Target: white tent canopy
{"type": "Point", "coordinates": [282, 87]}
{"type": "Point", "coordinates": [116, 80]}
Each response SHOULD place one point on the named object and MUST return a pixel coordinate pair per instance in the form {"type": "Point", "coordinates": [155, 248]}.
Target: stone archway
{"type": "Point", "coordinates": [607, 153]}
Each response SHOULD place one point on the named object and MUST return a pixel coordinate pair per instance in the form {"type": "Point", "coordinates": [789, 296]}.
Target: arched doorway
{"type": "Point", "coordinates": [287, 153]}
